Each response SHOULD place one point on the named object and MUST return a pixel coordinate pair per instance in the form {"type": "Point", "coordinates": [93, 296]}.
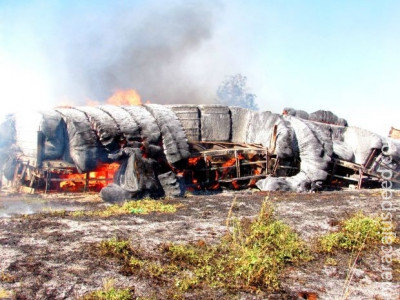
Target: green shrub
{"type": "Point", "coordinates": [356, 233]}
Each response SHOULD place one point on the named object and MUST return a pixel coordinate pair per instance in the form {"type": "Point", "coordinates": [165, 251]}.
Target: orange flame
{"type": "Point", "coordinates": [125, 97]}
{"type": "Point", "coordinates": [194, 160]}
{"type": "Point", "coordinates": [96, 181]}
{"type": "Point", "coordinates": [235, 185]}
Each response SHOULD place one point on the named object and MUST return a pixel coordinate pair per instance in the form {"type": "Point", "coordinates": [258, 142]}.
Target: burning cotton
{"type": "Point", "coordinates": [161, 150]}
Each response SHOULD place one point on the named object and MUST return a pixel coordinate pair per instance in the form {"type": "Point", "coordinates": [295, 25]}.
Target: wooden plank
{"type": "Point", "coordinates": [348, 165]}
{"type": "Point", "coordinates": [57, 164]}
{"type": "Point", "coordinates": [242, 178]}
{"type": "Point", "coordinates": [370, 158]}
{"type": "Point", "coordinates": [79, 179]}
{"type": "Point", "coordinates": [237, 164]}
{"type": "Point", "coordinates": [26, 190]}
{"type": "Point", "coordinates": [346, 178]}
{"type": "Point", "coordinates": [16, 178]}
{"type": "Point", "coordinates": [360, 180]}
{"type": "Point", "coordinates": [86, 187]}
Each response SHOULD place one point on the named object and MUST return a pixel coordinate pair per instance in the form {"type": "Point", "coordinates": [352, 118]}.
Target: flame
{"type": "Point", "coordinates": [97, 179]}
{"type": "Point", "coordinates": [125, 97]}
{"type": "Point", "coordinates": [231, 162]}
{"type": "Point", "coordinates": [235, 184]}
{"type": "Point", "coordinates": [254, 180]}
{"type": "Point", "coordinates": [192, 161]}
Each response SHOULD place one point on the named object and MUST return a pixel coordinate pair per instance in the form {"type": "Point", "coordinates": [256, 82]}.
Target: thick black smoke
{"type": "Point", "coordinates": [143, 47]}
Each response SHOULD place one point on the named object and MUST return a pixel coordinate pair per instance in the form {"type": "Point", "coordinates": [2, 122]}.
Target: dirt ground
{"type": "Point", "coordinates": [50, 256]}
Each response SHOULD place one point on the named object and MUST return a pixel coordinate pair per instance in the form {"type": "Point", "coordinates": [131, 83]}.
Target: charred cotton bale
{"type": "Point", "coordinates": [170, 184]}
{"type": "Point", "coordinates": [296, 113]}
{"type": "Point", "coordinates": [189, 116]}
{"type": "Point", "coordinates": [53, 128]}
{"type": "Point", "coordinates": [149, 130]}
{"type": "Point", "coordinates": [113, 193]}
{"type": "Point", "coordinates": [136, 173]}
{"type": "Point", "coordinates": [361, 142]}
{"type": "Point", "coordinates": [315, 150]}
{"type": "Point", "coordinates": [104, 126]}
{"type": "Point", "coordinates": [298, 183]}
{"type": "Point", "coordinates": [174, 139]}
{"type": "Point", "coordinates": [240, 123]}
{"type": "Point", "coordinates": [323, 137]}
{"type": "Point", "coordinates": [126, 124]}
{"type": "Point", "coordinates": [83, 145]}
{"type": "Point", "coordinates": [286, 143]}
{"type": "Point", "coordinates": [41, 135]}
{"type": "Point", "coordinates": [274, 184]}
{"type": "Point", "coordinates": [329, 117]}
{"type": "Point", "coordinates": [215, 123]}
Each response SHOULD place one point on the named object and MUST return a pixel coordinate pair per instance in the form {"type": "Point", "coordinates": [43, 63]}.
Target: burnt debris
{"type": "Point", "coordinates": [161, 150]}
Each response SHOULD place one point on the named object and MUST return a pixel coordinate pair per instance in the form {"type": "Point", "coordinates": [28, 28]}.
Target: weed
{"type": "Point", "coordinates": [109, 292]}
{"type": "Point", "coordinates": [251, 257]}
{"type": "Point", "coordinates": [4, 294]}
{"type": "Point", "coordinates": [6, 277]}
{"type": "Point", "coordinates": [144, 206]}
{"type": "Point", "coordinates": [116, 248]}
{"type": "Point", "coordinates": [330, 261]}
{"type": "Point", "coordinates": [396, 269]}
{"type": "Point", "coordinates": [356, 233]}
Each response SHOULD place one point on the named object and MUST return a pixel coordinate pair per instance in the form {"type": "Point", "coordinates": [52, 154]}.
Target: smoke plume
{"type": "Point", "coordinates": [146, 48]}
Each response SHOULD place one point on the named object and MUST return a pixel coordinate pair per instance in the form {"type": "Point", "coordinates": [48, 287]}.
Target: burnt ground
{"type": "Point", "coordinates": [51, 256]}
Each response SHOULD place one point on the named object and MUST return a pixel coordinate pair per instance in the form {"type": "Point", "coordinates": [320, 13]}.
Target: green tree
{"type": "Point", "coordinates": [233, 91]}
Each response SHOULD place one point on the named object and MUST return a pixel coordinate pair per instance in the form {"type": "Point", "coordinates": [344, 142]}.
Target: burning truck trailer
{"type": "Point", "coordinates": [127, 151]}
{"type": "Point", "coordinates": [132, 151]}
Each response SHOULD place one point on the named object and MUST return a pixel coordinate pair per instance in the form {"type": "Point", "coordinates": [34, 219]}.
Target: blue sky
{"type": "Point", "coordinates": [334, 55]}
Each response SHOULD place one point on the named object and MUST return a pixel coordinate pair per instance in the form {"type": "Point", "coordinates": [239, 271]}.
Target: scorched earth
{"type": "Point", "coordinates": [56, 254]}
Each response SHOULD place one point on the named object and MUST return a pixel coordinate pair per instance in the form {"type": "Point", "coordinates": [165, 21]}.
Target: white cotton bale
{"type": "Point", "coordinates": [261, 127]}
{"type": "Point", "coordinates": [343, 151]}
{"type": "Point", "coordinates": [362, 142]}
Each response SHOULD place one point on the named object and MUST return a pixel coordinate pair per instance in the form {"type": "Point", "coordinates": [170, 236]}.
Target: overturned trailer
{"type": "Point", "coordinates": [130, 151]}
